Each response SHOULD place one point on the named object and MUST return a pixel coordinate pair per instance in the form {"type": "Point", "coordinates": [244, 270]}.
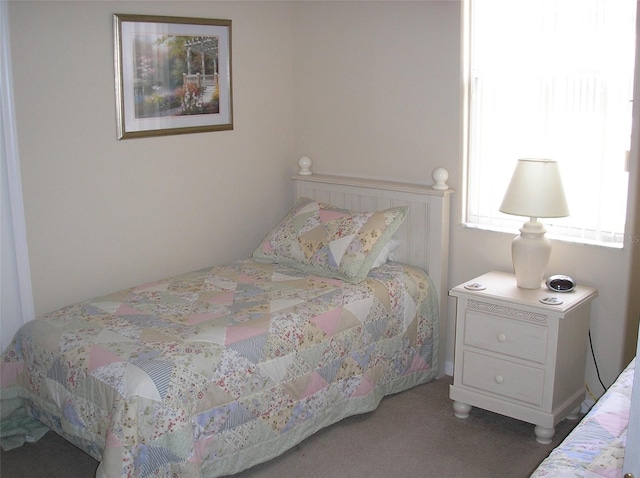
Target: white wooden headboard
{"type": "Point", "coordinates": [424, 236]}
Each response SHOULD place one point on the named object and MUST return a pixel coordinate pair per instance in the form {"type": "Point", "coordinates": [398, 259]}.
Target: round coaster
{"type": "Point", "coordinates": [475, 286]}
{"type": "Point", "coordinates": [551, 301]}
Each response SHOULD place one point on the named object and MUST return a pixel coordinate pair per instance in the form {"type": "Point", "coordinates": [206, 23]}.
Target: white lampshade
{"type": "Point", "coordinates": [535, 190]}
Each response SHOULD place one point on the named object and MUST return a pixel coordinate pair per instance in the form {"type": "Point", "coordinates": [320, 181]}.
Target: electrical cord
{"type": "Point", "coordinates": [591, 395]}
{"type": "Point", "coordinates": [593, 354]}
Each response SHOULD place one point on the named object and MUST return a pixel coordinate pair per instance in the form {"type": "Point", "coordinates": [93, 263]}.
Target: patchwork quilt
{"type": "Point", "coordinates": [596, 447]}
{"type": "Point", "coordinates": [214, 371]}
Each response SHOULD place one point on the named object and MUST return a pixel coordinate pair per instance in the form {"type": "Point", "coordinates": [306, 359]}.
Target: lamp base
{"type": "Point", "coordinates": [530, 252]}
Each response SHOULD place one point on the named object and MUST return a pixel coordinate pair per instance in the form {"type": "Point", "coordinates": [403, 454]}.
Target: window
{"type": "Point", "coordinates": [551, 79]}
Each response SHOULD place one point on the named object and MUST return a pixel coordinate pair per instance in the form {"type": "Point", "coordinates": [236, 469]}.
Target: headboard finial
{"type": "Point", "coordinates": [305, 166]}
{"type": "Point", "coordinates": [440, 176]}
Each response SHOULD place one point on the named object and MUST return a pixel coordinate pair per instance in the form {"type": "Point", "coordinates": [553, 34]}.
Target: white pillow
{"type": "Point", "coordinates": [386, 253]}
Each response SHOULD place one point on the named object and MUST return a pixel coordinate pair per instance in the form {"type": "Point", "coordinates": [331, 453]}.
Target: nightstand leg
{"type": "Point", "coordinates": [544, 435]}
{"type": "Point", "coordinates": [461, 410]}
{"type": "Point", "coordinates": [575, 413]}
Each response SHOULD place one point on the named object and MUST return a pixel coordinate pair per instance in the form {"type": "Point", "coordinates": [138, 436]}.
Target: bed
{"type": "Point", "coordinates": [596, 446]}
{"type": "Point", "coordinates": [211, 372]}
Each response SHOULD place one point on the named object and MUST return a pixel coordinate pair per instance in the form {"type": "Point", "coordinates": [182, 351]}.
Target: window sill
{"type": "Point", "coordinates": [628, 239]}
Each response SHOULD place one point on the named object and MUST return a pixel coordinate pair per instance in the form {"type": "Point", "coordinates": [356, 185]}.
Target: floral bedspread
{"type": "Point", "coordinates": [596, 447]}
{"type": "Point", "coordinates": [214, 371]}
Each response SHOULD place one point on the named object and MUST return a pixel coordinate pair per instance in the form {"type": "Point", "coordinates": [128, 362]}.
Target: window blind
{"type": "Point", "coordinates": [551, 79]}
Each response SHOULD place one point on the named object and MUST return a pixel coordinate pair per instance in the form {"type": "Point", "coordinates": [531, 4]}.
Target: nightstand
{"type": "Point", "coordinates": [520, 352]}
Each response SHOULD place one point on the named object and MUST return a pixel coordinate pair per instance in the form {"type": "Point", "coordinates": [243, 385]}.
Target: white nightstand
{"type": "Point", "coordinates": [518, 356]}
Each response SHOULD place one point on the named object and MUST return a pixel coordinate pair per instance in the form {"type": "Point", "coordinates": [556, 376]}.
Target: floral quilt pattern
{"type": "Point", "coordinates": [596, 447]}
{"type": "Point", "coordinates": [211, 372]}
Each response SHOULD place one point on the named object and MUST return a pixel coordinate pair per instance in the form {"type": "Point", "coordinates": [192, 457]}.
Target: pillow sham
{"type": "Point", "coordinates": [321, 239]}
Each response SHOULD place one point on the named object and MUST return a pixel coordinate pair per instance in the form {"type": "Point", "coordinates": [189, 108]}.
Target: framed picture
{"type": "Point", "coordinates": [172, 74]}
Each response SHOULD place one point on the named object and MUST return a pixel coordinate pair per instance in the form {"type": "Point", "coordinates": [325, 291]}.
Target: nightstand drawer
{"type": "Point", "coordinates": [506, 336]}
{"type": "Point", "coordinates": [501, 377]}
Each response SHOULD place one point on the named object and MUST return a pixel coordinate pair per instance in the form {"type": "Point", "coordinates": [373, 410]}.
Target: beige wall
{"type": "Point", "coordinates": [633, 216]}
{"type": "Point", "coordinates": [366, 88]}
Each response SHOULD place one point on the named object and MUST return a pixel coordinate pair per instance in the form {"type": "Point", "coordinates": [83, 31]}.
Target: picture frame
{"type": "Point", "coordinates": [172, 75]}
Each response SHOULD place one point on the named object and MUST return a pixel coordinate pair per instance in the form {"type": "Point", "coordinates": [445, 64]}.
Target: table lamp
{"type": "Point", "coordinates": [535, 191]}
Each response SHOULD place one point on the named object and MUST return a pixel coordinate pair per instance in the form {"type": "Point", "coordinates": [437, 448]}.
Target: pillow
{"type": "Point", "coordinates": [324, 240]}
{"type": "Point", "coordinates": [386, 253]}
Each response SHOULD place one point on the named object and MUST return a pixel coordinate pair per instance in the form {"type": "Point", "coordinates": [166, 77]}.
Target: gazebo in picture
{"type": "Point", "coordinates": [203, 85]}
{"type": "Point", "coordinates": [176, 75]}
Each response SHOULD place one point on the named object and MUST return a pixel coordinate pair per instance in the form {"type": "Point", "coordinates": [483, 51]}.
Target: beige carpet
{"type": "Point", "coordinates": [411, 434]}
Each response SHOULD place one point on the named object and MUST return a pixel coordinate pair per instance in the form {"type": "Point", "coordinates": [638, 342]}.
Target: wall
{"type": "Point", "coordinates": [377, 87]}
{"type": "Point", "coordinates": [633, 215]}
{"type": "Point", "coordinates": [104, 214]}
{"type": "Point", "coordinates": [378, 92]}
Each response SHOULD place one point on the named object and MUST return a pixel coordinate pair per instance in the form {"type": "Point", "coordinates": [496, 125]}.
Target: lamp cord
{"type": "Point", "coordinates": [593, 354]}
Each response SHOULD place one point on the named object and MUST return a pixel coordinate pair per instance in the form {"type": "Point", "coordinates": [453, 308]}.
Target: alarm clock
{"type": "Point", "coordinates": [560, 283]}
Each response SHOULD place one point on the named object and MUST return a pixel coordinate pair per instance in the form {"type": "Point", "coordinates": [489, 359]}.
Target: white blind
{"type": "Point", "coordinates": [552, 79]}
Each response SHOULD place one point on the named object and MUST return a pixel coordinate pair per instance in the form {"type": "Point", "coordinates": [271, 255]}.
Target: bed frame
{"type": "Point", "coordinates": [424, 236]}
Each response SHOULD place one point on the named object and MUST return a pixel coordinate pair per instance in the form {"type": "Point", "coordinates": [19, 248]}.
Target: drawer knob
{"type": "Point", "coordinates": [499, 378]}
{"type": "Point", "coordinates": [502, 337]}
